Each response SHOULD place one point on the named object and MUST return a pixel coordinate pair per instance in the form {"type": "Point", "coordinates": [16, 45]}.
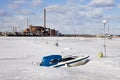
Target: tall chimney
{"type": "Point", "coordinates": [27, 23]}
{"type": "Point", "coordinates": [44, 18]}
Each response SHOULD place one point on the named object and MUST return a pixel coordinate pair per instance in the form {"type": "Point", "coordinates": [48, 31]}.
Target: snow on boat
{"type": "Point", "coordinates": [59, 61]}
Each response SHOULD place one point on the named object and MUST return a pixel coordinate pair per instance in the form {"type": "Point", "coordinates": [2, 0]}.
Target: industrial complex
{"type": "Point", "coordinates": [35, 30]}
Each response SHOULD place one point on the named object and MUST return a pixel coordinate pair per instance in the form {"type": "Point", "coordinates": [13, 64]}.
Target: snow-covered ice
{"type": "Point", "coordinates": [19, 55]}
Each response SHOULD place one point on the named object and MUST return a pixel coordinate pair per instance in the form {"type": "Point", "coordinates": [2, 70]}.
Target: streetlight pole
{"type": "Point", "coordinates": [104, 22]}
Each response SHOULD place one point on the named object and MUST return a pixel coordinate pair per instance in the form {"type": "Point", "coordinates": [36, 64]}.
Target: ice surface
{"type": "Point", "coordinates": [18, 55]}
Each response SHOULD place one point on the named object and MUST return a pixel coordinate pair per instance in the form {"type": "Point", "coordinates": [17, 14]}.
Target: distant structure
{"type": "Point", "coordinates": [44, 18]}
{"type": "Point", "coordinates": [40, 30]}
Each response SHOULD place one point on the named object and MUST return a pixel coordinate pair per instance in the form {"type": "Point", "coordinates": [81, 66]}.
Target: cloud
{"type": "Point", "coordinates": [93, 13]}
{"type": "Point", "coordinates": [4, 13]}
{"type": "Point", "coordinates": [26, 12]}
{"type": "Point", "coordinates": [52, 7]}
{"type": "Point", "coordinates": [17, 20]}
{"type": "Point", "coordinates": [16, 4]}
{"type": "Point", "coordinates": [79, 17]}
{"type": "Point", "coordinates": [118, 6]}
{"type": "Point", "coordinates": [102, 3]}
{"type": "Point", "coordinates": [71, 2]}
{"type": "Point", "coordinates": [36, 2]}
{"type": "Point", "coordinates": [79, 13]}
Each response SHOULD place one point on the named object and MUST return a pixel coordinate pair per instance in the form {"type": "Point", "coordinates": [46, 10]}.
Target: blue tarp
{"type": "Point", "coordinates": [51, 60]}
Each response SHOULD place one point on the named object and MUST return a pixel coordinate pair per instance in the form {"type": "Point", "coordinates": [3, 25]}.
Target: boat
{"type": "Point", "coordinates": [59, 61]}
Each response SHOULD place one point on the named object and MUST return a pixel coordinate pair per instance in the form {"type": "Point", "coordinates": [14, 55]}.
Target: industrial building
{"type": "Point", "coordinates": [40, 31]}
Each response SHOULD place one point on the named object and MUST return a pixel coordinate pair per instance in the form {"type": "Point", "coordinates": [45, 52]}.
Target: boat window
{"type": "Point", "coordinates": [66, 59]}
{"type": "Point", "coordinates": [53, 61]}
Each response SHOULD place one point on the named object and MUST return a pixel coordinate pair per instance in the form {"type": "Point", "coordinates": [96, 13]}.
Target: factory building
{"type": "Point", "coordinates": [40, 31]}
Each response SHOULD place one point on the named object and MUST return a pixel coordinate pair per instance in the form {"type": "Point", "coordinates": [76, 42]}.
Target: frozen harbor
{"type": "Point", "coordinates": [18, 55]}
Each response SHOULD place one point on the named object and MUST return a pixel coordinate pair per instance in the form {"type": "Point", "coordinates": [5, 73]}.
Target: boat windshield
{"type": "Point", "coordinates": [53, 61]}
{"type": "Point", "coordinates": [68, 58]}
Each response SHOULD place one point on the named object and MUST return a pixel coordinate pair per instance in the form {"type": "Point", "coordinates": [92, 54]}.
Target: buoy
{"type": "Point", "coordinates": [100, 54]}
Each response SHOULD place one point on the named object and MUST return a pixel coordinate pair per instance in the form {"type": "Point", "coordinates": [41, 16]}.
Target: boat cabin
{"type": "Point", "coordinates": [55, 59]}
{"type": "Point", "coordinates": [51, 60]}
{"type": "Point", "coordinates": [68, 58]}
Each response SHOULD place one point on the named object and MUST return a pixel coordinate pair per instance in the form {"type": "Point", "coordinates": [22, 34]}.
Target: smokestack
{"type": "Point", "coordinates": [27, 23]}
{"type": "Point", "coordinates": [44, 18]}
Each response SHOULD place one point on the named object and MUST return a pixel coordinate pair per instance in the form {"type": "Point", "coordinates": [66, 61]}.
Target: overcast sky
{"type": "Point", "coordinates": [68, 16]}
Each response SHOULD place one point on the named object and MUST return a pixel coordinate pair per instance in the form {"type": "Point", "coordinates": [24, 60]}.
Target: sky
{"type": "Point", "coordinates": [67, 16]}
